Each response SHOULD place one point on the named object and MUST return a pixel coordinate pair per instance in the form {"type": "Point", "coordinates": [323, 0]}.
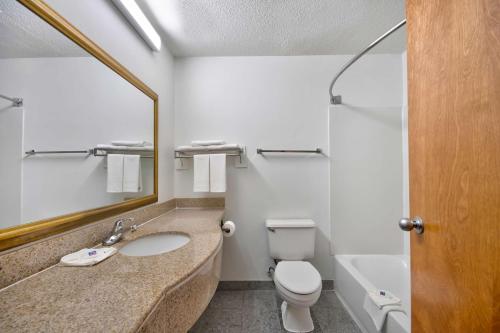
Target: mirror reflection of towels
{"type": "Point", "coordinates": [124, 173]}
{"type": "Point", "coordinates": [115, 173]}
{"type": "Point", "coordinates": [132, 178]}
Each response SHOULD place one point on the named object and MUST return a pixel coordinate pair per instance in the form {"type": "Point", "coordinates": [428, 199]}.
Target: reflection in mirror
{"type": "Point", "coordinates": [90, 129]}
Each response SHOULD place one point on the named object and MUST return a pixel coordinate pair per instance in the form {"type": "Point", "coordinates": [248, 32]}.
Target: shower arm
{"type": "Point", "coordinates": [15, 100]}
{"type": "Point", "coordinates": [337, 99]}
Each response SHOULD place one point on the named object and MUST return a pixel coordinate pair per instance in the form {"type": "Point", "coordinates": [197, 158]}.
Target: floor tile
{"type": "Point", "coordinates": [219, 320]}
{"type": "Point", "coordinates": [258, 311]}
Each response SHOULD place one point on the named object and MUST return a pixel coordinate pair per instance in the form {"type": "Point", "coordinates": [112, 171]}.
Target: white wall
{"type": "Point", "coordinates": [273, 102]}
{"type": "Point", "coordinates": [11, 142]}
{"type": "Point", "coordinates": [366, 177]}
{"type": "Point", "coordinates": [73, 103]}
{"type": "Point", "coordinates": [367, 171]}
{"type": "Point", "coordinates": [104, 24]}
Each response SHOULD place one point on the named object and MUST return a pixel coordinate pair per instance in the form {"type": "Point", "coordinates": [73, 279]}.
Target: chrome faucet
{"type": "Point", "coordinates": [117, 233]}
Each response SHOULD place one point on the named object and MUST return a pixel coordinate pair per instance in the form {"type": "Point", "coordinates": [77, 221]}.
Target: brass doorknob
{"type": "Point", "coordinates": [408, 224]}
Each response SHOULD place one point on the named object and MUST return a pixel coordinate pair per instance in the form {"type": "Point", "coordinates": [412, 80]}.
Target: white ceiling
{"type": "Point", "coordinates": [275, 27]}
{"type": "Point", "coordinates": [25, 35]}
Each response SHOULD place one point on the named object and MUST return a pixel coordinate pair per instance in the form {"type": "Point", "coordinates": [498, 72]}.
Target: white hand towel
{"type": "Point", "coordinates": [218, 173]}
{"type": "Point", "coordinates": [207, 142]}
{"type": "Point", "coordinates": [87, 257]}
{"type": "Point", "coordinates": [132, 178]}
{"type": "Point", "coordinates": [379, 315]}
{"type": "Point", "coordinates": [115, 173]}
{"type": "Point", "coordinates": [130, 143]}
{"type": "Point", "coordinates": [201, 179]}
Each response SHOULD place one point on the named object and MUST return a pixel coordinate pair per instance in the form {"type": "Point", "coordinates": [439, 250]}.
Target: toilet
{"type": "Point", "coordinates": [298, 283]}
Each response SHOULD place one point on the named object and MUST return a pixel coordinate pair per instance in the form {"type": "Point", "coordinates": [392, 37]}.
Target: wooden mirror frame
{"type": "Point", "coordinates": [22, 234]}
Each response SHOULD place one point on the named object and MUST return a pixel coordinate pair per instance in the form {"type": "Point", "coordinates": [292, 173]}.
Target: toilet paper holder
{"type": "Point", "coordinates": [222, 226]}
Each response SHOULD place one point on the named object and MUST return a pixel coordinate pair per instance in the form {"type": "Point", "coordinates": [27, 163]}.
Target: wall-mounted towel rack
{"type": "Point", "coordinates": [95, 152]}
{"type": "Point", "coordinates": [298, 151]}
{"type": "Point", "coordinates": [189, 153]}
{"type": "Point", "coordinates": [104, 151]}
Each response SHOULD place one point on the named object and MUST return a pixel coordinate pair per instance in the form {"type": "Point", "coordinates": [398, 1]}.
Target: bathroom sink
{"type": "Point", "coordinates": [154, 244]}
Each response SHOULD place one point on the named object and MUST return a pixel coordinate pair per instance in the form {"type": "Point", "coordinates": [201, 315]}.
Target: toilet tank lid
{"type": "Point", "coordinates": [290, 223]}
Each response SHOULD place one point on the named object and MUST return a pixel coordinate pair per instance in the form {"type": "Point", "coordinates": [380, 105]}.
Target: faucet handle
{"type": "Point", "coordinates": [119, 224]}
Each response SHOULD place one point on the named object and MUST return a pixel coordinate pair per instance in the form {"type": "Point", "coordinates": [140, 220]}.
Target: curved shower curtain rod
{"type": "Point", "coordinates": [16, 101]}
{"type": "Point", "coordinates": [338, 99]}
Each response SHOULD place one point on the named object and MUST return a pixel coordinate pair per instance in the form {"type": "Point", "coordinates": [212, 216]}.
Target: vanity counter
{"type": "Point", "coordinates": [118, 294]}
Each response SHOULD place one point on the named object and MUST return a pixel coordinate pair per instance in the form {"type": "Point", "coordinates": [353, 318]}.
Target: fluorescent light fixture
{"type": "Point", "coordinates": [140, 22]}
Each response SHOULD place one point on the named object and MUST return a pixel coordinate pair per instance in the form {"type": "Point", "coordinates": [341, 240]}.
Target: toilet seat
{"type": "Point", "coordinates": [297, 299]}
{"type": "Point", "coordinates": [297, 277]}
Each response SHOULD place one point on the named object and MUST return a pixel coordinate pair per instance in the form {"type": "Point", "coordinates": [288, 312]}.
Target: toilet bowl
{"type": "Point", "coordinates": [299, 284]}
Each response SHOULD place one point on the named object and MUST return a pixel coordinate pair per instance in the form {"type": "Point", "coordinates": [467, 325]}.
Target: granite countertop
{"type": "Point", "coordinates": [117, 294]}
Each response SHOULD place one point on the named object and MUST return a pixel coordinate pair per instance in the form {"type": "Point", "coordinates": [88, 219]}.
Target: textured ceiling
{"type": "Point", "coordinates": [275, 27]}
{"type": "Point", "coordinates": [25, 35]}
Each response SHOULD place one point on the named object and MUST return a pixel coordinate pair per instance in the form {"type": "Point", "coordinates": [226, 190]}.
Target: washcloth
{"type": "Point", "coordinates": [87, 257]}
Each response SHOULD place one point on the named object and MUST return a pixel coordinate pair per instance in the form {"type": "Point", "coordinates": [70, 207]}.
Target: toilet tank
{"type": "Point", "coordinates": [291, 239]}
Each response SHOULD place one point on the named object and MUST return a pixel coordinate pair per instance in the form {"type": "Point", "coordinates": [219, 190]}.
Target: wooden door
{"type": "Point", "coordinates": [454, 142]}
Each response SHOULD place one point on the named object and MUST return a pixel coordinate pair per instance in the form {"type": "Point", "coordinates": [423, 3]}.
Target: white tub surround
{"type": "Point", "coordinates": [355, 275]}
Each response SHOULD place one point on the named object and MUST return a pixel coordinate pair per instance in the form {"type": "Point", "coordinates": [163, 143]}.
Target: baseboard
{"type": "Point", "coordinates": [259, 285]}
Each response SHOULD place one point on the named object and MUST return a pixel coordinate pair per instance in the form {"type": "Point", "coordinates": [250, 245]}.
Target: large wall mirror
{"type": "Point", "coordinates": [78, 131]}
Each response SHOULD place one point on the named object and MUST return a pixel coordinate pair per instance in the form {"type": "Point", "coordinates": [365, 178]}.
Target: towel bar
{"type": "Point", "coordinates": [298, 151]}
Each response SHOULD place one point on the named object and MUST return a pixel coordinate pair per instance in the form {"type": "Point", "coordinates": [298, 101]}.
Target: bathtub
{"type": "Point", "coordinates": [355, 274]}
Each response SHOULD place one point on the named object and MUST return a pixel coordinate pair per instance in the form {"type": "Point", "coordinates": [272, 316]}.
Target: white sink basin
{"type": "Point", "coordinates": [154, 244]}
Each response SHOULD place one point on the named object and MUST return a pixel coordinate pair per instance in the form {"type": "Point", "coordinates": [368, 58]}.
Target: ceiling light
{"type": "Point", "coordinates": [139, 21]}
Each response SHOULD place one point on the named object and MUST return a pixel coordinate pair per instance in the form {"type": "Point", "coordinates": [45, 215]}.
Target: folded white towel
{"type": "Point", "coordinates": [87, 257]}
{"type": "Point", "coordinates": [225, 147]}
{"type": "Point", "coordinates": [132, 177]}
{"type": "Point", "coordinates": [124, 148]}
{"type": "Point", "coordinates": [218, 173]}
{"type": "Point", "coordinates": [207, 142]}
{"type": "Point", "coordinates": [201, 178]}
{"type": "Point", "coordinates": [379, 314]}
{"type": "Point", "coordinates": [115, 173]}
{"type": "Point", "coordinates": [383, 297]}
{"type": "Point", "coordinates": [131, 143]}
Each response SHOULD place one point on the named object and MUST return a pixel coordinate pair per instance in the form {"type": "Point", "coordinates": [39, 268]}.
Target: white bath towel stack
{"type": "Point", "coordinates": [378, 304]}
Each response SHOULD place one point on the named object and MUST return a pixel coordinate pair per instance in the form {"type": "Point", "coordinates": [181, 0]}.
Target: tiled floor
{"type": "Point", "coordinates": [258, 311]}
